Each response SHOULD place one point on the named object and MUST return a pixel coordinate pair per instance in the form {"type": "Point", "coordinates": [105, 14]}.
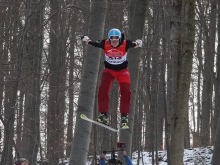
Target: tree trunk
{"type": "Point", "coordinates": [71, 91]}
{"type": "Point", "coordinates": [184, 57]}
{"type": "Point", "coordinates": [3, 57]}
{"type": "Point", "coordinates": [89, 79]}
{"type": "Point", "coordinates": [73, 68]}
{"type": "Point", "coordinates": [175, 51]}
{"type": "Point", "coordinates": [214, 117]}
{"type": "Point", "coordinates": [53, 114]}
{"type": "Point", "coordinates": [209, 34]}
{"type": "Point", "coordinates": [216, 151]}
{"type": "Point", "coordinates": [36, 100]}
{"type": "Point", "coordinates": [164, 90]}
{"type": "Point", "coordinates": [137, 29]}
{"type": "Point", "coordinates": [19, 58]}
{"type": "Point", "coordinates": [196, 136]}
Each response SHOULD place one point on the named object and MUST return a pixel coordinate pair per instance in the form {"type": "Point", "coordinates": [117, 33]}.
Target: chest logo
{"type": "Point", "coordinates": [114, 53]}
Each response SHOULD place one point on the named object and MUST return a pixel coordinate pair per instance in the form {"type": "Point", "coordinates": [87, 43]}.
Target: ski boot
{"type": "Point", "coordinates": [124, 121]}
{"type": "Point", "coordinates": [102, 118]}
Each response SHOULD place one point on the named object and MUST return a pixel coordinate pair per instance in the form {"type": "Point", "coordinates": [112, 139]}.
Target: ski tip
{"type": "Point", "coordinates": [82, 116]}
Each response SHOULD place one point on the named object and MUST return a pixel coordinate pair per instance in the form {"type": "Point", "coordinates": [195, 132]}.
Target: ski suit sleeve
{"type": "Point", "coordinates": [128, 160]}
{"type": "Point", "coordinates": [102, 162]}
{"type": "Point", "coordinates": [130, 44]}
{"type": "Point", "coordinates": [99, 43]}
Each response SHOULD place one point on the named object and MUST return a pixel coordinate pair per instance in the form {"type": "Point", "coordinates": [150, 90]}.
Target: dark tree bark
{"type": "Point", "coordinates": [184, 61]}
{"type": "Point", "coordinates": [89, 79]}
{"type": "Point", "coordinates": [209, 34]}
{"type": "Point", "coordinates": [136, 32]}
{"type": "Point", "coordinates": [53, 118]}
{"type": "Point", "coordinates": [36, 100]}
{"type": "Point", "coordinates": [216, 151]}
{"type": "Point", "coordinates": [163, 84]}
{"type": "Point", "coordinates": [13, 104]}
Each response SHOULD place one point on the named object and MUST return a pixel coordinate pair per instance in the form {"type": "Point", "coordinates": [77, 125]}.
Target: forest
{"type": "Point", "coordinates": [48, 77]}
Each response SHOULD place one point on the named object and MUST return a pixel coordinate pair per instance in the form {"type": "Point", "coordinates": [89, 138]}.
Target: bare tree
{"type": "Point", "coordinates": [78, 13]}
{"type": "Point", "coordinates": [37, 79]}
{"type": "Point", "coordinates": [138, 22]}
{"type": "Point", "coordinates": [164, 89]}
{"type": "Point", "coordinates": [10, 121]}
{"type": "Point", "coordinates": [89, 79]}
{"type": "Point", "coordinates": [216, 151]}
{"type": "Point", "coordinates": [57, 80]}
{"type": "Point", "coordinates": [196, 133]}
{"type": "Point", "coordinates": [56, 67]}
{"type": "Point", "coordinates": [71, 88]}
{"type": "Point", "coordinates": [183, 72]}
{"type": "Point", "coordinates": [209, 34]}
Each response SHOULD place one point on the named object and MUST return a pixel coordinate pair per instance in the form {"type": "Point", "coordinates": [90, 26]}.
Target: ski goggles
{"type": "Point", "coordinates": [114, 38]}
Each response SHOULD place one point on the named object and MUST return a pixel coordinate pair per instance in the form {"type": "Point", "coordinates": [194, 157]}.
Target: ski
{"type": "Point", "coordinates": [84, 117]}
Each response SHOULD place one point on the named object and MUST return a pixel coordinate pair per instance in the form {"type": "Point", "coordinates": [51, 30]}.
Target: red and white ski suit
{"type": "Point", "coordinates": [116, 66]}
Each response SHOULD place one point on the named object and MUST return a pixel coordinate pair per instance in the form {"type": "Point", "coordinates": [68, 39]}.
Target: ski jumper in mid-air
{"type": "Point", "coordinates": [116, 66]}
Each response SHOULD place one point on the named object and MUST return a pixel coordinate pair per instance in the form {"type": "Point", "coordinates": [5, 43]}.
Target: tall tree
{"type": "Point", "coordinates": [80, 10]}
{"type": "Point", "coordinates": [175, 50]}
{"type": "Point", "coordinates": [54, 118]}
{"type": "Point", "coordinates": [209, 47]}
{"type": "Point", "coordinates": [196, 136]}
{"type": "Point", "coordinates": [216, 151]}
{"type": "Point", "coordinates": [57, 78]}
{"type": "Point", "coordinates": [89, 79]}
{"type": "Point", "coordinates": [10, 47]}
{"type": "Point", "coordinates": [19, 59]}
{"type": "Point", "coordinates": [31, 88]}
{"type": "Point", "coordinates": [217, 81]}
{"type": "Point", "coordinates": [184, 67]}
{"type": "Point", "coordinates": [136, 32]}
{"type": "Point", "coordinates": [71, 88]}
{"type": "Point", "coordinates": [37, 60]}
{"type": "Point", "coordinates": [163, 84]}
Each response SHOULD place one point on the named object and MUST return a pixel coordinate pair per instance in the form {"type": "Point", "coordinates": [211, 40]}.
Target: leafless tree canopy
{"type": "Point", "coordinates": [48, 77]}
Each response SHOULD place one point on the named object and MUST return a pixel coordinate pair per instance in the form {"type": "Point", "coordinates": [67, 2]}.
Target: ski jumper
{"type": "Point", "coordinates": [116, 66]}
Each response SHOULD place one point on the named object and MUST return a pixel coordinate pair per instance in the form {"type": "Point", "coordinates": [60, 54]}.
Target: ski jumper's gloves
{"type": "Point", "coordinates": [84, 38]}
{"type": "Point", "coordinates": [139, 42]}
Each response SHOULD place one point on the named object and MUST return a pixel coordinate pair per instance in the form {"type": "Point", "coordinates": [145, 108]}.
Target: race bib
{"type": "Point", "coordinates": [114, 60]}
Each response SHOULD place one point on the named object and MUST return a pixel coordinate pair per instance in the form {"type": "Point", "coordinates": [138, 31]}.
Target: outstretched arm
{"type": "Point", "coordinates": [127, 158]}
{"type": "Point", "coordinates": [133, 44]}
{"type": "Point", "coordinates": [99, 43]}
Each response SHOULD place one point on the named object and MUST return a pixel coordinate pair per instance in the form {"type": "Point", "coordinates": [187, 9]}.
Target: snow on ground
{"type": "Point", "coordinates": [192, 156]}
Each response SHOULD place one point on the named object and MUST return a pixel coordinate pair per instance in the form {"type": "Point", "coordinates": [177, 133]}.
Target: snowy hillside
{"type": "Point", "coordinates": [193, 156]}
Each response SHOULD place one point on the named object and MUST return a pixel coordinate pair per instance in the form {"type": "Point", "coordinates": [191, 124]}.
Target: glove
{"type": "Point", "coordinates": [84, 38]}
{"type": "Point", "coordinates": [139, 42]}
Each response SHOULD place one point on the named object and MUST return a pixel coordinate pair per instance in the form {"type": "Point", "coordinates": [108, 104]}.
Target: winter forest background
{"type": "Point", "coordinates": [48, 77]}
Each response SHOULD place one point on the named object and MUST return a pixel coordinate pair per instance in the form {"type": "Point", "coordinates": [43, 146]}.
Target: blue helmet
{"type": "Point", "coordinates": [114, 32]}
